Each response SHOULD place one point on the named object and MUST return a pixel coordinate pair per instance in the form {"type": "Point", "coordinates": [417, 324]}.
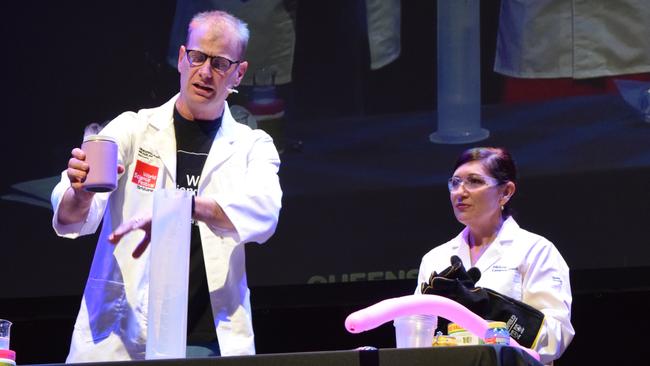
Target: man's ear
{"type": "Point", "coordinates": [241, 71]}
{"type": "Point", "coordinates": [181, 55]}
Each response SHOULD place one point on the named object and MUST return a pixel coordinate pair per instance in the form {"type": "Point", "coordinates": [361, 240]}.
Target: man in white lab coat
{"type": "Point", "coordinates": [192, 143]}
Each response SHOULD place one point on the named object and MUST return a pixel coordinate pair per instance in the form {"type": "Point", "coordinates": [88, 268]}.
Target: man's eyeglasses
{"type": "Point", "coordinates": [219, 63]}
{"type": "Point", "coordinates": [471, 182]}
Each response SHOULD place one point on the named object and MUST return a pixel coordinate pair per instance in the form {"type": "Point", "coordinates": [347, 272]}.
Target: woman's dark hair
{"type": "Point", "coordinates": [497, 161]}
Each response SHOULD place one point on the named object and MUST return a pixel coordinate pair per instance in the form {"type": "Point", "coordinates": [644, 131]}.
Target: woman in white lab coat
{"type": "Point", "coordinates": [513, 262]}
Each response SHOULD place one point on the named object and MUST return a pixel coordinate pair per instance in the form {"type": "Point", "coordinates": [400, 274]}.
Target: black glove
{"type": "Point", "coordinates": [457, 284]}
{"type": "Point", "coordinates": [457, 271]}
{"type": "Point", "coordinates": [524, 322]}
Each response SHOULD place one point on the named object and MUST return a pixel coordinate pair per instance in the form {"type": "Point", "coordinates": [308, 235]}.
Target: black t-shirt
{"type": "Point", "coordinates": [193, 142]}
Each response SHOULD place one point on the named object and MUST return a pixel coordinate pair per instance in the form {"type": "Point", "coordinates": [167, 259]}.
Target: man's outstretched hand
{"type": "Point", "coordinates": [138, 223]}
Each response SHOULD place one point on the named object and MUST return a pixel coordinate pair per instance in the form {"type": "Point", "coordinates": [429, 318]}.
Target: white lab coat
{"type": "Point", "coordinates": [240, 173]}
{"type": "Point", "coordinates": [524, 266]}
{"type": "Point", "coordinates": [573, 38]}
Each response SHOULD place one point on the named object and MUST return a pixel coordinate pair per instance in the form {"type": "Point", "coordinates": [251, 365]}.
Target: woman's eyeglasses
{"type": "Point", "coordinates": [471, 182]}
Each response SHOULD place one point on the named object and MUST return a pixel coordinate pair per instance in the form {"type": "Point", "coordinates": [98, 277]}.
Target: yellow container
{"type": "Point", "coordinates": [463, 336]}
{"type": "Point", "coordinates": [444, 341]}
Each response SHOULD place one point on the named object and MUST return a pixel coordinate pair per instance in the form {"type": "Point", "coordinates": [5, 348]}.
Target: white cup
{"type": "Point", "coordinates": [415, 330]}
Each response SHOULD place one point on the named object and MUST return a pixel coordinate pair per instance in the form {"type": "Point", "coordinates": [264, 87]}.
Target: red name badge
{"type": "Point", "coordinates": [145, 175]}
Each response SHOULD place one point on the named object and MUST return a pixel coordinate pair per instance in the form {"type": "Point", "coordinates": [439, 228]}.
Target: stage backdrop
{"type": "Point", "coordinates": [366, 196]}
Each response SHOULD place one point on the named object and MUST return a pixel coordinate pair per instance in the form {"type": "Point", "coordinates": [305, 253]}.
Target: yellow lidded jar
{"type": "Point", "coordinates": [463, 336]}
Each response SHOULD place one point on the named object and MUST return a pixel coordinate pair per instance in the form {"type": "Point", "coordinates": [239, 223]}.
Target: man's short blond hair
{"type": "Point", "coordinates": [218, 18]}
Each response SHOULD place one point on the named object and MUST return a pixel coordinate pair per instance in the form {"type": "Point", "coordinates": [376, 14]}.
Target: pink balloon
{"type": "Point", "coordinates": [389, 309]}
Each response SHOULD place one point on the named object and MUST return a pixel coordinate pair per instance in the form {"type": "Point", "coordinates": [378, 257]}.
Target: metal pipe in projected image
{"type": "Point", "coordinates": [459, 73]}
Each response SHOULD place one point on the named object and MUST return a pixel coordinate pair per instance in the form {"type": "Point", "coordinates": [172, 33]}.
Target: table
{"type": "Point", "coordinates": [483, 355]}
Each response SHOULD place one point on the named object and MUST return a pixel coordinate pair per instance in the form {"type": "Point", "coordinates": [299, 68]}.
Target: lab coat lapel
{"type": "Point", "coordinates": [463, 248]}
{"type": "Point", "coordinates": [496, 249]}
{"type": "Point", "coordinates": [222, 146]}
{"type": "Point", "coordinates": [491, 256]}
{"type": "Point", "coordinates": [163, 121]}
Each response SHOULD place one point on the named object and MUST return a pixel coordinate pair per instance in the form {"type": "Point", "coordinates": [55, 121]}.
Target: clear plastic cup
{"type": "Point", "coordinates": [415, 330]}
{"type": "Point", "coordinates": [5, 328]}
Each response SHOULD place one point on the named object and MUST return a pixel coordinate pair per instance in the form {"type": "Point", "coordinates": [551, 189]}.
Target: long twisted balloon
{"type": "Point", "coordinates": [389, 309]}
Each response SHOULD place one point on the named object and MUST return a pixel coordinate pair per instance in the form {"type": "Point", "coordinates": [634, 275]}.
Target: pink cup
{"type": "Point", "coordinates": [101, 156]}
